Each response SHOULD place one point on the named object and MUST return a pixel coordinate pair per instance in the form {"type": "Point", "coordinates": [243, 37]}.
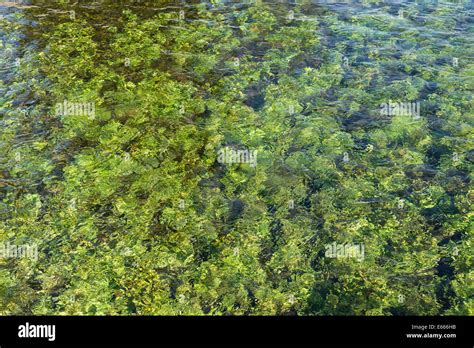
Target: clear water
{"type": "Point", "coordinates": [357, 121]}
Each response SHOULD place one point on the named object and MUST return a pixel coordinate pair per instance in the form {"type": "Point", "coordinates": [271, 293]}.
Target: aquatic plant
{"type": "Point", "coordinates": [134, 214]}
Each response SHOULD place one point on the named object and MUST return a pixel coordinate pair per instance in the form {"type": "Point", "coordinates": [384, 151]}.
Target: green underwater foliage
{"type": "Point", "coordinates": [132, 212]}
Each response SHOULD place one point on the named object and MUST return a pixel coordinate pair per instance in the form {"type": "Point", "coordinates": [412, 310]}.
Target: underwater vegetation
{"type": "Point", "coordinates": [246, 158]}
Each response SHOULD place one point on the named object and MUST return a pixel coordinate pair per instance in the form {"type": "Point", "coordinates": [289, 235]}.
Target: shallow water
{"type": "Point", "coordinates": [236, 141]}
